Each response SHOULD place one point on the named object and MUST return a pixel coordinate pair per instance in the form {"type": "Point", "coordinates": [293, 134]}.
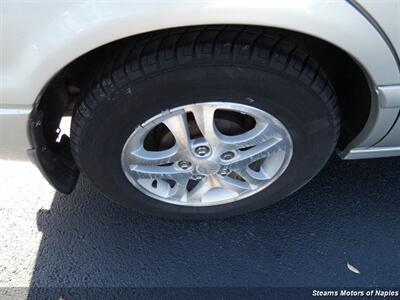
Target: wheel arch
{"type": "Point", "coordinates": [80, 28]}
{"type": "Point", "coordinates": [321, 27]}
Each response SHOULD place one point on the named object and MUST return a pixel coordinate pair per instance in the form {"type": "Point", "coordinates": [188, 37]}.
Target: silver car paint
{"type": "Point", "coordinates": [39, 39]}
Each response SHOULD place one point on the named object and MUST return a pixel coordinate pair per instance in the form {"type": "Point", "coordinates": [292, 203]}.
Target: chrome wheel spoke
{"type": "Point", "coordinates": [180, 190]}
{"type": "Point", "coordinates": [256, 153]}
{"type": "Point", "coordinates": [199, 190]}
{"type": "Point", "coordinates": [261, 133]}
{"type": "Point", "coordinates": [177, 124]}
{"type": "Point", "coordinates": [161, 172]}
{"type": "Point", "coordinates": [251, 179]}
{"type": "Point", "coordinates": [151, 158]}
{"type": "Point", "coordinates": [204, 116]}
{"type": "Point", "coordinates": [216, 181]}
{"type": "Point", "coordinates": [229, 183]}
{"type": "Point", "coordinates": [163, 176]}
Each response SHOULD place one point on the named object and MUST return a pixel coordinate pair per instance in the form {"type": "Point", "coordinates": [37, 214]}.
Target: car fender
{"type": "Point", "coordinates": [42, 38]}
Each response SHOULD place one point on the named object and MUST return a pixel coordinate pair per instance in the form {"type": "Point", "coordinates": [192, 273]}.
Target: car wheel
{"type": "Point", "coordinates": [206, 122]}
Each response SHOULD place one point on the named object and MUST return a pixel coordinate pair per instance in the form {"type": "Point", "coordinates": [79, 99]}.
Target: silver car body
{"type": "Point", "coordinates": [38, 39]}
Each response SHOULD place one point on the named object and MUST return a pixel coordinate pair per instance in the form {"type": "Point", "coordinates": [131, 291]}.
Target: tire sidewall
{"type": "Point", "coordinates": [303, 113]}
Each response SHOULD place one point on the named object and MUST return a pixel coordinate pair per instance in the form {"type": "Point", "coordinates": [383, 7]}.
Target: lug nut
{"type": "Point", "coordinates": [202, 150]}
{"type": "Point", "coordinates": [184, 165]}
{"type": "Point", "coordinates": [198, 177]}
{"type": "Point", "coordinates": [227, 155]}
{"type": "Point", "coordinates": [224, 171]}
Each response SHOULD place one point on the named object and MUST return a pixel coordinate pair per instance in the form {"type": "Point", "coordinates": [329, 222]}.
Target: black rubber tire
{"type": "Point", "coordinates": [171, 68]}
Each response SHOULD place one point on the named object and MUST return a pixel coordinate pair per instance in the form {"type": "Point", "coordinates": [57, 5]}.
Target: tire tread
{"type": "Point", "coordinates": [144, 55]}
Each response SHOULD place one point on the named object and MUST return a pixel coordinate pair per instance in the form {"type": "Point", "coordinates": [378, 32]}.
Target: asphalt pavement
{"type": "Point", "coordinates": [349, 213]}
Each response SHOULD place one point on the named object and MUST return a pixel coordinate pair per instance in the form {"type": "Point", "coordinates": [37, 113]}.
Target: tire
{"type": "Point", "coordinates": [246, 65]}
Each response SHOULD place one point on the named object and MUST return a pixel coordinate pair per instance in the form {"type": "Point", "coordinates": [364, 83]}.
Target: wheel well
{"type": "Point", "coordinates": [62, 93]}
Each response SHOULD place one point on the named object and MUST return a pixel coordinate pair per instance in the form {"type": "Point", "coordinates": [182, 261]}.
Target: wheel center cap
{"type": "Point", "coordinates": [208, 168]}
